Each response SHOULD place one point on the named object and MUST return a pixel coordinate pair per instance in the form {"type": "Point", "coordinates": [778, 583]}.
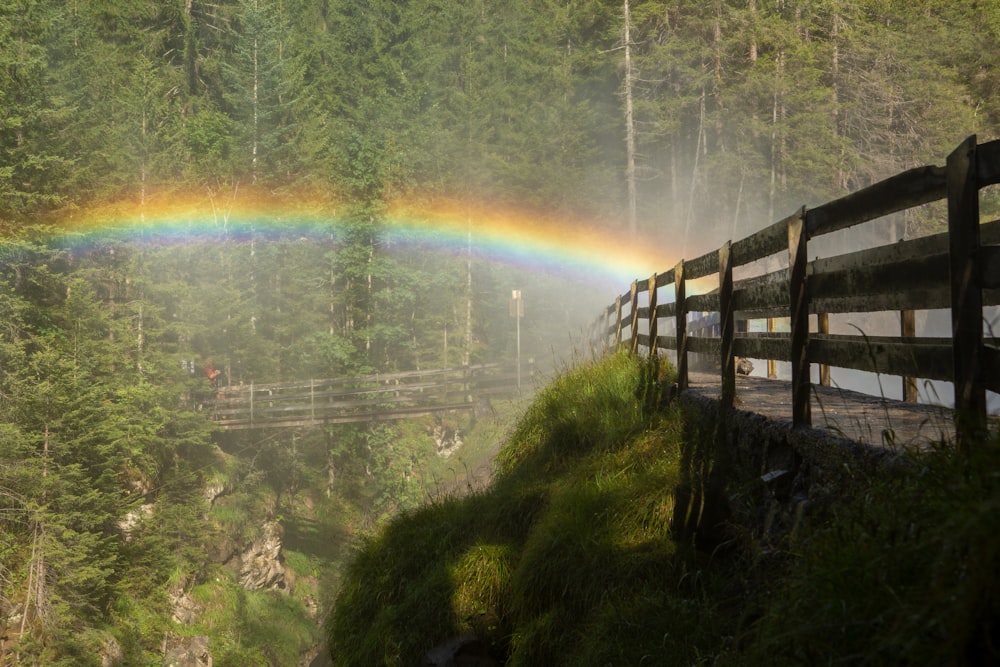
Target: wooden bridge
{"type": "Point", "coordinates": [377, 397]}
{"type": "Point", "coordinates": [958, 270]}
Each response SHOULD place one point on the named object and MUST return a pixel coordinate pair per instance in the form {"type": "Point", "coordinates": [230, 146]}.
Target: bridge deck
{"type": "Point", "coordinates": [856, 416]}
{"type": "Point", "coordinates": [379, 397]}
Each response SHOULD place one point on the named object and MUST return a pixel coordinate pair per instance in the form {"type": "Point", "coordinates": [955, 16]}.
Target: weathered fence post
{"type": "Point", "coordinates": [772, 364]}
{"type": "Point", "coordinates": [652, 317]}
{"type": "Point", "coordinates": [966, 293]}
{"type": "Point", "coordinates": [606, 331]}
{"type": "Point", "coordinates": [823, 327]}
{"type": "Point", "coordinates": [798, 261]}
{"type": "Point", "coordinates": [618, 321]}
{"type": "Point", "coordinates": [908, 331]}
{"type": "Point", "coordinates": [634, 315]}
{"type": "Point", "coordinates": [727, 327]}
{"type": "Point", "coordinates": [680, 318]}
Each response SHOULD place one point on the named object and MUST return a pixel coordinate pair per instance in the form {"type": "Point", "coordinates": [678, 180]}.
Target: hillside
{"type": "Point", "coordinates": [568, 557]}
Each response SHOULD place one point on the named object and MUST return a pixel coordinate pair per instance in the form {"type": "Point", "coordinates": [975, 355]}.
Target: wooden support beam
{"type": "Point", "coordinates": [634, 317]}
{"type": "Point", "coordinates": [727, 329]}
{"type": "Point", "coordinates": [618, 321]}
{"type": "Point", "coordinates": [680, 318]}
{"type": "Point", "coordinates": [772, 364]}
{"type": "Point", "coordinates": [966, 293]}
{"type": "Point", "coordinates": [652, 317]}
{"type": "Point", "coordinates": [823, 327]}
{"type": "Point", "coordinates": [798, 262]}
{"type": "Point", "coordinates": [908, 333]}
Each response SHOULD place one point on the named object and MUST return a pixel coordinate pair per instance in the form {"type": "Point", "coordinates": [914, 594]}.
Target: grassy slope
{"type": "Point", "coordinates": [567, 557]}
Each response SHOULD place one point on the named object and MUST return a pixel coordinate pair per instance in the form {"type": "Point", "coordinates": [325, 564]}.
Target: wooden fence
{"type": "Point", "coordinates": [958, 269]}
{"type": "Point", "coordinates": [367, 398]}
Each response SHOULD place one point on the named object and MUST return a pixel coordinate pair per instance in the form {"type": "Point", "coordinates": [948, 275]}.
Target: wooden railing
{"type": "Point", "coordinates": [365, 398]}
{"type": "Point", "coordinates": [958, 269]}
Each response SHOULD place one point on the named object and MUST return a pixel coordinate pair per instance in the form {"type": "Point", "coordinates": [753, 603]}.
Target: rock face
{"type": "Point", "coordinates": [260, 564]}
{"type": "Point", "coordinates": [133, 519]}
{"type": "Point", "coordinates": [446, 440]}
{"type": "Point", "coordinates": [185, 609]}
{"type": "Point", "coordinates": [187, 652]}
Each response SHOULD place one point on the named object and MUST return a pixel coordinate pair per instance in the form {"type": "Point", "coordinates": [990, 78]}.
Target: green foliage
{"type": "Point", "coordinates": [903, 573]}
{"type": "Point", "coordinates": [517, 563]}
{"type": "Point", "coordinates": [568, 558]}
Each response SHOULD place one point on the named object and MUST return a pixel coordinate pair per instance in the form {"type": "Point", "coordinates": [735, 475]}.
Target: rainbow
{"type": "Point", "coordinates": [527, 240]}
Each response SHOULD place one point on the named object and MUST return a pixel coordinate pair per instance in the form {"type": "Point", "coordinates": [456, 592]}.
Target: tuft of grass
{"type": "Point", "coordinates": [516, 564]}
{"type": "Point", "coordinates": [906, 573]}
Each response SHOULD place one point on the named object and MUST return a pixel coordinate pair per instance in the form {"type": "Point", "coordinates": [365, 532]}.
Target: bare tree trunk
{"type": "Point", "coordinates": [775, 152]}
{"type": "Point", "coordinates": [839, 176]}
{"type": "Point", "coordinates": [256, 102]}
{"type": "Point", "coordinates": [699, 144]}
{"type": "Point", "coordinates": [717, 76]}
{"type": "Point", "coordinates": [630, 127]}
{"type": "Point", "coordinates": [468, 299]}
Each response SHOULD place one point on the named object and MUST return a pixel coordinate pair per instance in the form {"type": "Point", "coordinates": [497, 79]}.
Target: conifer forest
{"type": "Point", "coordinates": [127, 519]}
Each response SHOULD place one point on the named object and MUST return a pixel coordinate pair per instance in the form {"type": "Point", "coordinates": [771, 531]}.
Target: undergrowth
{"type": "Point", "coordinates": [568, 557]}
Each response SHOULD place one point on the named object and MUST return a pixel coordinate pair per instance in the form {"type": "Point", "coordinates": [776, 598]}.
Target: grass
{"type": "Point", "coordinates": [569, 558]}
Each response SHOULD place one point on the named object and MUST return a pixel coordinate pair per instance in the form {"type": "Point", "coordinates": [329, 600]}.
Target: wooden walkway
{"type": "Point", "coordinates": [855, 416]}
{"type": "Point", "coordinates": [378, 397]}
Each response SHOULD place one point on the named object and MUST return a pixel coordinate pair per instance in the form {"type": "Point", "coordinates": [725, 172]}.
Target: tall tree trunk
{"type": "Point", "coordinates": [468, 298]}
{"type": "Point", "coordinates": [776, 113]}
{"type": "Point", "coordinates": [629, 127]}
{"type": "Point", "coordinates": [699, 146]}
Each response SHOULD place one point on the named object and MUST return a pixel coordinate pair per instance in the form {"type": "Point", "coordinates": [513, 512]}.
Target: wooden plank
{"type": "Point", "coordinates": [916, 299]}
{"type": "Point", "coordinates": [245, 424]}
{"type": "Point", "coordinates": [911, 188]}
{"type": "Point", "coordinates": [910, 274]}
{"type": "Point", "coordinates": [666, 342]}
{"type": "Point", "coordinates": [988, 163]}
{"type": "Point", "coordinates": [762, 297]}
{"type": "Point", "coordinates": [768, 241]}
{"type": "Point", "coordinates": [664, 310]}
{"type": "Point", "coordinates": [702, 303]}
{"type": "Point", "coordinates": [700, 267]}
{"type": "Point", "coordinates": [989, 267]}
{"type": "Point", "coordinates": [966, 294]}
{"type": "Point", "coordinates": [775, 346]}
{"type": "Point", "coordinates": [935, 244]}
{"type": "Point", "coordinates": [665, 278]}
{"type": "Point", "coordinates": [798, 263]}
{"type": "Point", "coordinates": [709, 346]}
{"type": "Point", "coordinates": [884, 355]}
{"type": "Point", "coordinates": [989, 232]}
{"type": "Point", "coordinates": [991, 368]}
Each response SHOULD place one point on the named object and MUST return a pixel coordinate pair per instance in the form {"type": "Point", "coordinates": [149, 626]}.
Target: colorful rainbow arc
{"type": "Point", "coordinates": [526, 240]}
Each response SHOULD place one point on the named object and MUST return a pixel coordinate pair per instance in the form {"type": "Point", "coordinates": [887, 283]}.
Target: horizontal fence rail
{"type": "Point", "coordinates": [958, 270]}
{"type": "Point", "coordinates": [377, 397]}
